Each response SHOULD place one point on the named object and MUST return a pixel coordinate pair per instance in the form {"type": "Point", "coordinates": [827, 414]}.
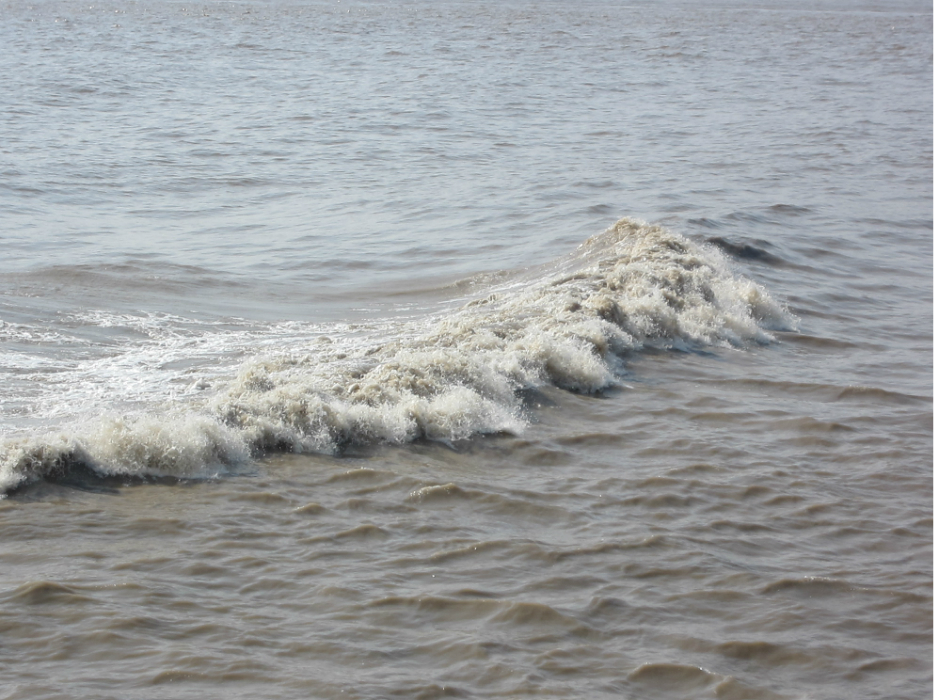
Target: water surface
{"type": "Point", "coordinates": [329, 372]}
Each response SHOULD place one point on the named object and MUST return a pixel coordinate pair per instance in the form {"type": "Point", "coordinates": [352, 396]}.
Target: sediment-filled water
{"type": "Point", "coordinates": [463, 349]}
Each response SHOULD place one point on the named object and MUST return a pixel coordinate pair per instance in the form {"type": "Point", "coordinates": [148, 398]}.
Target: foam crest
{"type": "Point", "coordinates": [145, 446]}
{"type": "Point", "coordinates": [444, 378]}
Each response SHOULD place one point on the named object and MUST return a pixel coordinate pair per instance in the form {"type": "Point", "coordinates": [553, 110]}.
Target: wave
{"type": "Point", "coordinates": [446, 378]}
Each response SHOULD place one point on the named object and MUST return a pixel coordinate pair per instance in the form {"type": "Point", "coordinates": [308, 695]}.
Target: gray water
{"type": "Point", "coordinates": [464, 349]}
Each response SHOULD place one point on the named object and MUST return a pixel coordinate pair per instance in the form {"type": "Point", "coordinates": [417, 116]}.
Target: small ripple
{"type": "Point", "coordinates": [45, 593]}
{"type": "Point", "coordinates": [673, 677]}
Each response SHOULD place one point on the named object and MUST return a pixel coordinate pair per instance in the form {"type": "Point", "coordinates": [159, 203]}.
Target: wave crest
{"type": "Point", "coordinates": [444, 378]}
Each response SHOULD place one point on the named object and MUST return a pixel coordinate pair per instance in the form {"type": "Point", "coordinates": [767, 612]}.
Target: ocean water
{"type": "Point", "coordinates": [466, 349]}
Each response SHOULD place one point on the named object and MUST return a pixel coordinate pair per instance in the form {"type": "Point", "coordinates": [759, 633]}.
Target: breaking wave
{"type": "Point", "coordinates": [443, 378]}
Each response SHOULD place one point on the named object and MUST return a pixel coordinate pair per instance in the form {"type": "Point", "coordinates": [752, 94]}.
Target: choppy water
{"type": "Point", "coordinates": [339, 360]}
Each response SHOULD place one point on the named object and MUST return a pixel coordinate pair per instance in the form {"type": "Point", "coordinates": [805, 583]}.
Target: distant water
{"type": "Point", "coordinates": [465, 349]}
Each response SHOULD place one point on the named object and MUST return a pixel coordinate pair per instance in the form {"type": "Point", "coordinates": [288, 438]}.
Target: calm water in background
{"type": "Point", "coordinates": [228, 209]}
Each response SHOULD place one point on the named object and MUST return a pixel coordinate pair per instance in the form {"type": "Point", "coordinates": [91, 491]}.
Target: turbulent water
{"type": "Point", "coordinates": [464, 349]}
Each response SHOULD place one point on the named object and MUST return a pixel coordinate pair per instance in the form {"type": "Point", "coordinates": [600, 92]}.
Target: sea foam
{"type": "Point", "coordinates": [446, 378]}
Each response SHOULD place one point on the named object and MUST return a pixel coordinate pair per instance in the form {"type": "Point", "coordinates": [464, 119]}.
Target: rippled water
{"type": "Point", "coordinates": [328, 372]}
